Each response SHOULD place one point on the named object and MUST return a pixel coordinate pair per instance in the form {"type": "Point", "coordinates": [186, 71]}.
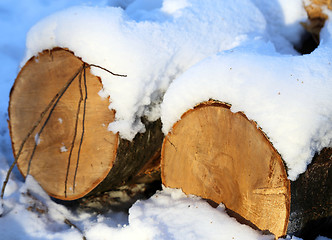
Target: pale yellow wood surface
{"type": "Point", "coordinates": [218, 155]}
{"type": "Point", "coordinates": [315, 8]}
{"type": "Point", "coordinates": [327, 3]}
{"type": "Point", "coordinates": [38, 82]}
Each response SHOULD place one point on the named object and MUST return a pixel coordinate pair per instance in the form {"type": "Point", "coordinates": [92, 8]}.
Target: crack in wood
{"type": "Point", "coordinates": [60, 94]}
{"type": "Point", "coordinates": [48, 110]}
{"type": "Point", "coordinates": [75, 131]}
{"type": "Point", "coordinates": [270, 191]}
{"type": "Point", "coordinates": [172, 144]}
{"type": "Point", "coordinates": [83, 125]}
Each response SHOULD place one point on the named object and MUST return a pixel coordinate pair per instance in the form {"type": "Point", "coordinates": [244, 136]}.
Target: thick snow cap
{"type": "Point", "coordinates": [288, 96]}
{"type": "Point", "coordinates": [236, 53]}
{"type": "Point", "coordinates": [152, 44]}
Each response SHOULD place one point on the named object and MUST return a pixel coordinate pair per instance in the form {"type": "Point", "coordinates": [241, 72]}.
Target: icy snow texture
{"type": "Point", "coordinates": [288, 96]}
{"type": "Point", "coordinates": [178, 220]}
{"type": "Point", "coordinates": [169, 214]}
{"type": "Point", "coordinates": [151, 43]}
{"type": "Point", "coordinates": [283, 19]}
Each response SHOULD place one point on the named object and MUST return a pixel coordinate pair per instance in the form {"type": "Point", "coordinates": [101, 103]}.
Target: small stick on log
{"type": "Point", "coordinates": [70, 224]}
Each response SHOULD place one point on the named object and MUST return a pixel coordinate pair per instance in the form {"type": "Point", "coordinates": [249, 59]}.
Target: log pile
{"type": "Point", "coordinates": [58, 126]}
{"type": "Point", "coordinates": [57, 118]}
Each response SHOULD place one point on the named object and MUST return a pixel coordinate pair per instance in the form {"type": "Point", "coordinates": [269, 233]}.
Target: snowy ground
{"type": "Point", "coordinates": [28, 213]}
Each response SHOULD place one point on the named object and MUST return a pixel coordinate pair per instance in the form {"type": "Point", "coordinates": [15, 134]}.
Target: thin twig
{"type": "Point", "coordinates": [33, 129]}
{"type": "Point", "coordinates": [48, 118]}
{"type": "Point", "coordinates": [42, 207]}
{"type": "Point", "coordinates": [83, 127]}
{"type": "Point", "coordinates": [75, 131]}
{"type": "Point", "coordinates": [115, 74]}
{"type": "Point", "coordinates": [69, 223]}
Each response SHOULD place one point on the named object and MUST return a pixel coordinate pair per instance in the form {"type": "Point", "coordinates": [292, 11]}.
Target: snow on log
{"type": "Point", "coordinates": [222, 156]}
{"type": "Point", "coordinates": [58, 125]}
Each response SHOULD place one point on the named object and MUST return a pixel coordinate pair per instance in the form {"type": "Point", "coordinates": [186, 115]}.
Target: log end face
{"type": "Point", "coordinates": [68, 148]}
{"type": "Point", "coordinates": [218, 155]}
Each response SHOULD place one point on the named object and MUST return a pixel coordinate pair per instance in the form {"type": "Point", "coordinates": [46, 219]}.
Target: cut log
{"type": "Point", "coordinates": [222, 156]}
{"type": "Point", "coordinates": [60, 121]}
{"type": "Point", "coordinates": [225, 158]}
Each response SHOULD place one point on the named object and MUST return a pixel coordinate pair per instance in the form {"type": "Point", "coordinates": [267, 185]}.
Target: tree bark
{"type": "Point", "coordinates": [60, 121]}
{"type": "Point", "coordinates": [311, 208]}
{"type": "Point", "coordinates": [225, 158]}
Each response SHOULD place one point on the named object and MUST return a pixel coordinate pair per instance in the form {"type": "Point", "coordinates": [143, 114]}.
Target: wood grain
{"type": "Point", "coordinates": [222, 156]}
{"type": "Point", "coordinates": [76, 155]}
{"type": "Point", "coordinates": [39, 81]}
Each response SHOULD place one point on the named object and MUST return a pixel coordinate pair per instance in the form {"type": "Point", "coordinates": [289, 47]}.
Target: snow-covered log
{"type": "Point", "coordinates": [59, 129]}
{"type": "Point", "coordinates": [224, 157]}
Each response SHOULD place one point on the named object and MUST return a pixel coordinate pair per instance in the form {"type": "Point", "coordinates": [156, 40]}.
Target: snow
{"type": "Point", "coordinates": [63, 148]}
{"type": "Point", "coordinates": [179, 220]}
{"type": "Point", "coordinates": [282, 22]}
{"type": "Point", "coordinates": [37, 139]}
{"type": "Point", "coordinates": [151, 43]}
{"type": "Point", "coordinates": [169, 214]}
{"type": "Point", "coordinates": [170, 47]}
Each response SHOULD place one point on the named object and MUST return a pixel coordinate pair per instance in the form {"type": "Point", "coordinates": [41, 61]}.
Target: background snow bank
{"type": "Point", "coordinates": [151, 43]}
{"type": "Point", "coordinates": [283, 17]}
{"type": "Point", "coordinates": [288, 96]}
